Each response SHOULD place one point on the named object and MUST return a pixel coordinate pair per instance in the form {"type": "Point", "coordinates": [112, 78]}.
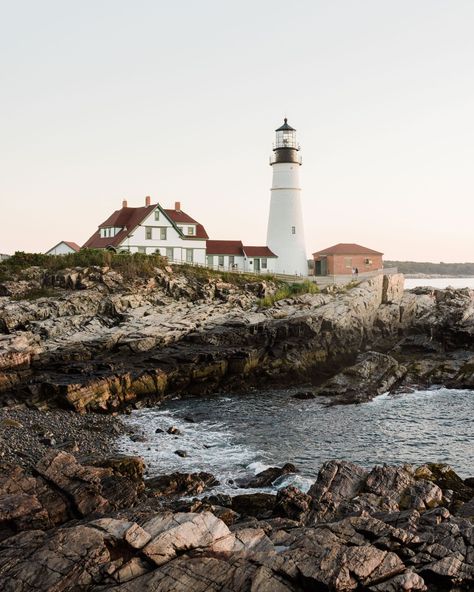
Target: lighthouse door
{"type": "Point", "coordinates": [256, 265]}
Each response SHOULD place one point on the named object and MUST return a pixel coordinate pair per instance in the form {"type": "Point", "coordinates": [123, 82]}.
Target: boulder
{"type": "Point", "coordinates": [292, 503]}
{"type": "Point", "coordinates": [372, 375]}
{"type": "Point", "coordinates": [260, 505]}
{"type": "Point", "coordinates": [267, 477]}
{"type": "Point", "coordinates": [172, 534]}
{"type": "Point", "coordinates": [181, 484]}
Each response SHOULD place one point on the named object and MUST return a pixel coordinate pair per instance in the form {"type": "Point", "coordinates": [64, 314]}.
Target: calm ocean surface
{"type": "Point", "coordinates": [241, 434]}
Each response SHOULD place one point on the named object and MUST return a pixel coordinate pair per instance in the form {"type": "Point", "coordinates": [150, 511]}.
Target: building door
{"type": "Point", "coordinates": [256, 265]}
{"type": "Point", "coordinates": [324, 266]}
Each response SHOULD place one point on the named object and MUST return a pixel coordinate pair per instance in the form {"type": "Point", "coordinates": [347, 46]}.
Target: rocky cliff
{"type": "Point", "coordinates": [102, 343]}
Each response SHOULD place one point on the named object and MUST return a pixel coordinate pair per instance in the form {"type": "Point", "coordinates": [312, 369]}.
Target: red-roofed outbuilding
{"type": "Point", "coordinates": [345, 259]}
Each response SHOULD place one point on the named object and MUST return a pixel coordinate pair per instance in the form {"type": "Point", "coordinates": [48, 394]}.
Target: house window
{"type": "Point", "coordinates": [157, 214]}
{"type": "Point", "coordinates": [189, 255]}
{"type": "Point", "coordinates": [162, 233]}
{"type": "Point", "coordinates": [210, 261]}
{"type": "Point", "coordinates": [170, 253]}
{"type": "Point", "coordinates": [190, 230]}
{"type": "Point", "coordinates": [368, 261]}
{"type": "Point", "coordinates": [221, 260]}
{"type": "Point", "coordinates": [293, 230]}
{"type": "Point", "coordinates": [142, 250]}
{"type": "Point", "coordinates": [263, 263]}
{"type": "Point", "coordinates": [148, 232]}
{"type": "Point", "coordinates": [348, 262]}
{"type": "Point", "coordinates": [231, 260]}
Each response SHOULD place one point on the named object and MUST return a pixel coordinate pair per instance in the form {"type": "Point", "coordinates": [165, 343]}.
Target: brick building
{"type": "Point", "coordinates": [342, 258]}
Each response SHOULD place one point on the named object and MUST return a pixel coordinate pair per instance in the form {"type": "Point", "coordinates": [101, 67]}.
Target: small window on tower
{"type": "Point", "coordinates": [293, 230]}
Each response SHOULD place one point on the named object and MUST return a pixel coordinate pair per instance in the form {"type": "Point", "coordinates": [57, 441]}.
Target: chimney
{"type": "Point", "coordinates": [124, 204]}
{"type": "Point", "coordinates": [147, 200]}
{"type": "Point", "coordinates": [177, 206]}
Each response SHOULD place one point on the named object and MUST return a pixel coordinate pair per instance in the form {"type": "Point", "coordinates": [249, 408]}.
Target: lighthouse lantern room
{"type": "Point", "coordinates": [285, 234]}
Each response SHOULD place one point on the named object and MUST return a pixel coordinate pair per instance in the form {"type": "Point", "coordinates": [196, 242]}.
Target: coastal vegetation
{"type": "Point", "coordinates": [129, 265]}
{"type": "Point", "coordinates": [428, 268]}
{"type": "Point", "coordinates": [288, 291]}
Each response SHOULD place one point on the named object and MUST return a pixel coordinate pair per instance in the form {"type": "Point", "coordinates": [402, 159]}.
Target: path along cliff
{"type": "Point", "coordinates": [101, 342]}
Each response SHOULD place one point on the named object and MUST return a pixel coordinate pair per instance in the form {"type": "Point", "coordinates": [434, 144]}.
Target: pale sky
{"type": "Point", "coordinates": [107, 100]}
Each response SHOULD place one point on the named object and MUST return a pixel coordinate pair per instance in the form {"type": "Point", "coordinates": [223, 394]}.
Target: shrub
{"type": "Point", "coordinates": [129, 265]}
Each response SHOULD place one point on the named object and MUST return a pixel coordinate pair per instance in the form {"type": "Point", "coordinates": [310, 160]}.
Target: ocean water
{"type": "Point", "coordinates": [439, 282]}
{"type": "Point", "coordinates": [239, 435]}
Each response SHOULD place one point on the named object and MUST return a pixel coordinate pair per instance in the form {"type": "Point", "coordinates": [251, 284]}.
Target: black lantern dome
{"type": "Point", "coordinates": [286, 146]}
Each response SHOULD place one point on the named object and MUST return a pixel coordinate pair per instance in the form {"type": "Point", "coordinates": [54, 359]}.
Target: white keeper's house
{"type": "Point", "coordinates": [152, 229]}
{"type": "Point", "coordinates": [178, 237]}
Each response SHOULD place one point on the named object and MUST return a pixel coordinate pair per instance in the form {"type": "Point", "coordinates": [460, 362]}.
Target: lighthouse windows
{"type": "Point", "coordinates": [293, 230]}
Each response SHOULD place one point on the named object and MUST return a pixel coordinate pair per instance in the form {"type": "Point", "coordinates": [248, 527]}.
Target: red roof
{"type": "Point", "coordinates": [258, 252]}
{"type": "Point", "coordinates": [70, 244]}
{"type": "Point", "coordinates": [347, 249]}
{"type": "Point", "coordinates": [224, 247]}
{"type": "Point", "coordinates": [180, 217]}
{"type": "Point", "coordinates": [129, 219]}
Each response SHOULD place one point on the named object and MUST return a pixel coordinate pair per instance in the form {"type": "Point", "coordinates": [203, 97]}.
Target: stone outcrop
{"type": "Point", "coordinates": [373, 374]}
{"type": "Point", "coordinates": [103, 343]}
{"type": "Point", "coordinates": [387, 529]}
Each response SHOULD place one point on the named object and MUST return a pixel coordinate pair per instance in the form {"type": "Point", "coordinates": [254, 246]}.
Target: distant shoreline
{"type": "Point", "coordinates": [432, 276]}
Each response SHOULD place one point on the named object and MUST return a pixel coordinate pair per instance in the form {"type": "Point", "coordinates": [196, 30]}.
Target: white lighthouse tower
{"type": "Point", "coordinates": [285, 234]}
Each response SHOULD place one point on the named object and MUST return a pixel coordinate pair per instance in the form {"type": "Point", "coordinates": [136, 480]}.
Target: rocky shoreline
{"type": "Point", "coordinates": [68, 525]}
{"type": "Point", "coordinates": [103, 343]}
{"type": "Point", "coordinates": [73, 517]}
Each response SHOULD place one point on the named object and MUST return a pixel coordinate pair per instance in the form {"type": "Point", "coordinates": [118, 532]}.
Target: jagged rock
{"type": "Point", "coordinates": [292, 503]}
{"type": "Point", "coordinates": [337, 481]}
{"type": "Point", "coordinates": [304, 395]}
{"type": "Point", "coordinates": [176, 533]}
{"type": "Point", "coordinates": [267, 477]}
{"type": "Point", "coordinates": [181, 483]}
{"type": "Point", "coordinates": [260, 505]}
{"type": "Point", "coordinates": [374, 374]}
{"type": "Point", "coordinates": [407, 581]}
{"type": "Point", "coordinates": [132, 467]}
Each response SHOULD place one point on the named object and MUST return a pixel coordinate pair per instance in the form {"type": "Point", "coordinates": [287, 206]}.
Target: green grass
{"type": "Point", "coordinates": [289, 291]}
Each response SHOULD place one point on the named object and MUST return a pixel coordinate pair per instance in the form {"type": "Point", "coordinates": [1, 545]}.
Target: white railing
{"type": "Point", "coordinates": [318, 279]}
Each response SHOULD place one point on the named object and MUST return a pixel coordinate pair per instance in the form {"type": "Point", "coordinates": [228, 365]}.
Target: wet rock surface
{"type": "Point", "coordinates": [63, 526]}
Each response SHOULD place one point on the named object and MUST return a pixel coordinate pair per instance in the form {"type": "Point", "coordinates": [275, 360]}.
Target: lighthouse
{"type": "Point", "coordinates": [285, 234]}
